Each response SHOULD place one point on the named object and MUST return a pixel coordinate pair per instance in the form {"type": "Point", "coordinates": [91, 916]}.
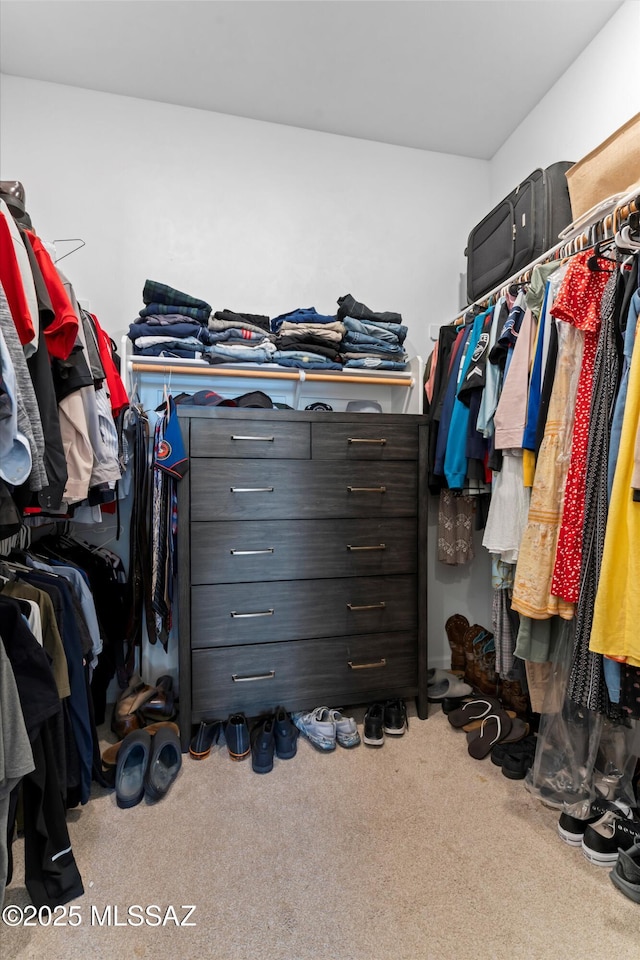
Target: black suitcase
{"type": "Point", "coordinates": [518, 230]}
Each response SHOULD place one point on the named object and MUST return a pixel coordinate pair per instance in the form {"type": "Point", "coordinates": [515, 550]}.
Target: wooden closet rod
{"type": "Point", "coordinates": [628, 205]}
{"type": "Point", "coordinates": [228, 371]}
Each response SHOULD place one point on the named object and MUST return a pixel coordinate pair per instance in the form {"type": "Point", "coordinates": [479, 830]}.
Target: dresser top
{"type": "Point", "coordinates": [310, 416]}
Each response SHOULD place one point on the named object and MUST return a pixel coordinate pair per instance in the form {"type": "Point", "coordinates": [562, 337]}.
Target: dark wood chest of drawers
{"type": "Point", "coordinates": [302, 561]}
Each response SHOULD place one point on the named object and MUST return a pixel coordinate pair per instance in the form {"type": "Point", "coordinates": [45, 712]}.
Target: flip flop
{"type": "Point", "coordinates": [476, 724]}
{"type": "Point", "coordinates": [495, 726]}
{"type": "Point", "coordinates": [473, 710]}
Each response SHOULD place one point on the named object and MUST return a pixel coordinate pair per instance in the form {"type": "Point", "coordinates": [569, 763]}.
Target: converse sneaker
{"type": "Point", "coordinates": [318, 727]}
{"type": "Point", "coordinates": [396, 721]}
{"type": "Point", "coordinates": [575, 819]}
{"type": "Point", "coordinates": [373, 734]}
{"type": "Point", "coordinates": [615, 830]}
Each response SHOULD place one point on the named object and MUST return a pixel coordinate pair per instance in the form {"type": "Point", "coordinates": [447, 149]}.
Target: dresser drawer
{"type": "Point", "coordinates": [369, 440]}
{"type": "Point", "coordinates": [250, 438]}
{"type": "Point", "coordinates": [254, 678]}
{"type": "Point", "coordinates": [250, 489]}
{"type": "Point", "coordinates": [239, 551]}
{"type": "Point", "coordinates": [228, 614]}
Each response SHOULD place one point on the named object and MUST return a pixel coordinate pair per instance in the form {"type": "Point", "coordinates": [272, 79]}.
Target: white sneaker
{"type": "Point", "coordinates": [346, 730]}
{"type": "Point", "coordinates": [318, 727]}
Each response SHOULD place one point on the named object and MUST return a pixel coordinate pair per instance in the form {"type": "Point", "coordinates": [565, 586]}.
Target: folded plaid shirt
{"type": "Point", "coordinates": [201, 314]}
{"type": "Point", "coordinates": [155, 292]}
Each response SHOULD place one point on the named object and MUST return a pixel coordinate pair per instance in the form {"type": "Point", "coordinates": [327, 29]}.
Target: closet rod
{"type": "Point", "coordinates": [227, 371]}
{"type": "Point", "coordinates": [582, 241]}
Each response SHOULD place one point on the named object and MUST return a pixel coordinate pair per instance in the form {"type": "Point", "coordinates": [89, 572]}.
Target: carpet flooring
{"type": "Point", "coordinates": [410, 851]}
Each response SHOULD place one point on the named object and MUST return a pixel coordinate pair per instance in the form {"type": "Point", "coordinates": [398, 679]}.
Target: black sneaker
{"type": "Point", "coordinates": [373, 733]}
{"type": "Point", "coordinates": [263, 745]}
{"type": "Point", "coordinates": [576, 818]}
{"type": "Point", "coordinates": [236, 734]}
{"type": "Point", "coordinates": [286, 735]}
{"type": "Point", "coordinates": [615, 830]}
{"type": "Point", "coordinates": [396, 722]}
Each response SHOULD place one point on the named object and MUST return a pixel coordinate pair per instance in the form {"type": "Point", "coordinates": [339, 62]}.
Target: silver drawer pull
{"type": "Point", "coordinates": [261, 613]}
{"type": "Point", "coordinates": [382, 662]}
{"type": "Point", "coordinates": [378, 546]}
{"type": "Point", "coordinates": [251, 489]}
{"type": "Point", "coordinates": [367, 606]}
{"type": "Point", "coordinates": [258, 676]}
{"type": "Point", "coordinates": [367, 489]}
{"type": "Point", "coordinates": [381, 442]}
{"type": "Point", "coordinates": [263, 439]}
{"type": "Point", "coordinates": [250, 553]}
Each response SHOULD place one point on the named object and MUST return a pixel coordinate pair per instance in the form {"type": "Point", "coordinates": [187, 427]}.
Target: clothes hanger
{"type": "Point", "coordinates": [80, 244]}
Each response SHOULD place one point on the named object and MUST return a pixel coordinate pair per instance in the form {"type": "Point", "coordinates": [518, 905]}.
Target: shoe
{"type": "Point", "coordinates": [165, 761]}
{"type": "Point", "coordinates": [519, 758]}
{"type": "Point", "coordinates": [132, 763]}
{"type": "Point", "coordinates": [126, 715]}
{"type": "Point", "coordinates": [263, 745]}
{"type": "Point", "coordinates": [318, 727]}
{"type": "Point", "coordinates": [448, 687]}
{"type": "Point", "coordinates": [499, 752]}
{"type": "Point", "coordinates": [615, 830]}
{"type": "Point", "coordinates": [626, 873]}
{"type": "Point", "coordinates": [286, 735]}
{"type": "Point", "coordinates": [161, 705]}
{"type": "Point", "coordinates": [236, 734]}
{"type": "Point", "coordinates": [396, 721]}
{"type": "Point", "coordinates": [576, 817]}
{"type": "Point", "coordinates": [373, 733]}
{"type": "Point", "coordinates": [449, 704]}
{"type": "Point", "coordinates": [110, 755]}
{"type": "Point", "coordinates": [208, 734]}
{"type": "Point", "coordinates": [456, 627]}
{"type": "Point", "coordinates": [494, 728]}
{"type": "Point", "coordinates": [475, 709]}
{"type": "Point", "coordinates": [347, 734]}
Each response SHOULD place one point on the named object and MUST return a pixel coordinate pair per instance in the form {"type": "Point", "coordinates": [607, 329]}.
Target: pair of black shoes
{"type": "Point", "coordinates": [384, 718]}
{"type": "Point", "coordinates": [515, 759]}
{"type": "Point", "coordinates": [147, 765]}
{"type": "Point", "coordinates": [236, 734]}
{"type": "Point", "coordinates": [273, 734]}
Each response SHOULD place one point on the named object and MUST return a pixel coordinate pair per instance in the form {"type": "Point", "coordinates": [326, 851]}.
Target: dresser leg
{"type": "Point", "coordinates": [422, 706]}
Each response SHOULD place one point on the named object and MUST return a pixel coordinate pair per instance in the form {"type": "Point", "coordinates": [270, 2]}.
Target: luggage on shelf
{"type": "Point", "coordinates": [518, 230]}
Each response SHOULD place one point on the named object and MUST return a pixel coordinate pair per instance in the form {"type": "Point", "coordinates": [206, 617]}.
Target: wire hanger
{"type": "Point", "coordinates": [80, 244]}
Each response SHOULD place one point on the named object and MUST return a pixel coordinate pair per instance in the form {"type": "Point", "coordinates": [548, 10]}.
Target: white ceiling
{"type": "Point", "coordinates": [453, 76]}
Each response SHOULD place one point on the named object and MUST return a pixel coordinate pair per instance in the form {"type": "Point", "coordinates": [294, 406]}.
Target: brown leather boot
{"type": "Point", "coordinates": [456, 628]}
{"type": "Point", "coordinates": [126, 716]}
{"type": "Point", "coordinates": [481, 659]}
{"type": "Point", "coordinates": [514, 697]}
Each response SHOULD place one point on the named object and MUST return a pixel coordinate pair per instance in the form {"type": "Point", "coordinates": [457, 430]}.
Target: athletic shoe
{"type": "Point", "coordinates": [396, 721]}
{"type": "Point", "coordinates": [615, 830]}
{"type": "Point", "coordinates": [318, 727]}
{"type": "Point", "coordinates": [346, 730]}
{"type": "Point", "coordinates": [373, 734]}
{"type": "Point", "coordinates": [626, 873]}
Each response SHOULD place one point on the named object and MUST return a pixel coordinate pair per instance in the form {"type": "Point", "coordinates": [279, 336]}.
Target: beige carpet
{"type": "Point", "coordinates": [411, 851]}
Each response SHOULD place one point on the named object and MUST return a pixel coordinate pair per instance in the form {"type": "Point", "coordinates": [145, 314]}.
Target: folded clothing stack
{"type": "Point", "coordinates": [239, 338]}
{"type": "Point", "coordinates": [307, 339]}
{"type": "Point", "coordinates": [172, 323]}
{"type": "Point", "coordinates": [371, 340]}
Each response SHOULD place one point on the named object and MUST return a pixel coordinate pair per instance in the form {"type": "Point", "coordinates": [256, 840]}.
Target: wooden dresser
{"type": "Point", "coordinates": [302, 561]}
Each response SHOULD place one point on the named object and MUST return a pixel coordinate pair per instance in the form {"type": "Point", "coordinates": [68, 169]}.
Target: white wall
{"type": "Point", "coordinates": [597, 94]}
{"type": "Point", "coordinates": [247, 215]}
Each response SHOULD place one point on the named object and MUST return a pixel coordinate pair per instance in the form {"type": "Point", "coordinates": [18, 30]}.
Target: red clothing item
{"type": "Point", "coordinates": [115, 387]}
{"type": "Point", "coordinates": [578, 302]}
{"type": "Point", "coordinates": [60, 335]}
{"type": "Point", "coordinates": [11, 280]}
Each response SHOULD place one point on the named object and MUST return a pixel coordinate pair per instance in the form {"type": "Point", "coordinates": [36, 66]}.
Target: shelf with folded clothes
{"type": "Point", "coordinates": [178, 335]}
